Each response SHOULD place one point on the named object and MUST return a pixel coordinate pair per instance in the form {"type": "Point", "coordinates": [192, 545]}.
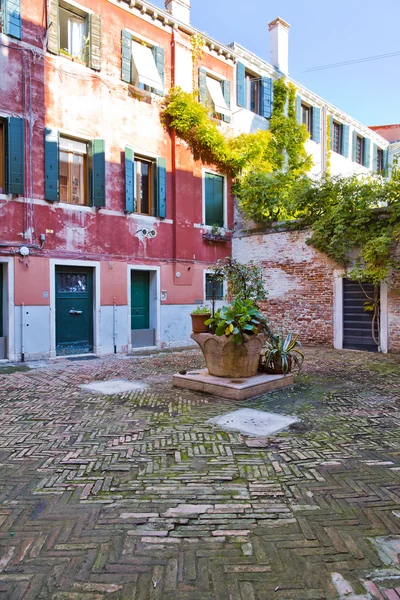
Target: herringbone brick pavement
{"type": "Point", "coordinates": [136, 497]}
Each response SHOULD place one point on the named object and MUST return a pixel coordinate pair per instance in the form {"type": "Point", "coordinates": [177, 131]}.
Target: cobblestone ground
{"type": "Point", "coordinates": [136, 497]}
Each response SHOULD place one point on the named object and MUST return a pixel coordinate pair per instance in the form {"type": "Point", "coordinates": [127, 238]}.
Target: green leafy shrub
{"type": "Point", "coordinates": [239, 319]}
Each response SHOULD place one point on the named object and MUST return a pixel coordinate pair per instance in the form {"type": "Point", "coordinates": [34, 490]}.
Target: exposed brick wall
{"type": "Point", "coordinates": [299, 281]}
{"type": "Point", "coordinates": [394, 313]}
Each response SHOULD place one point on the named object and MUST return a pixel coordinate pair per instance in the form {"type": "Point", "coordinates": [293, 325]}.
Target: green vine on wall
{"type": "Point", "coordinates": [354, 220]}
{"type": "Point", "coordinates": [264, 165]}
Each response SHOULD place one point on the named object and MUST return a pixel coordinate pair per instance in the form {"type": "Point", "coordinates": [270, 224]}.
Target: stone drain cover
{"type": "Point", "coordinates": [253, 422]}
{"type": "Point", "coordinates": [113, 386]}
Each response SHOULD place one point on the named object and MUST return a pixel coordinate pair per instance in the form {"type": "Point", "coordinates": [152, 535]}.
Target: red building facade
{"type": "Point", "coordinates": [102, 211]}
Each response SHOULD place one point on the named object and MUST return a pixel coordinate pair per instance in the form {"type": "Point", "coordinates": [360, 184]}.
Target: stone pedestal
{"type": "Point", "coordinates": [231, 388]}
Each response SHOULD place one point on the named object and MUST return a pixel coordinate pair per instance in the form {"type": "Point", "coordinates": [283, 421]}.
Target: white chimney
{"type": "Point", "coordinates": [180, 9]}
{"type": "Point", "coordinates": [279, 42]}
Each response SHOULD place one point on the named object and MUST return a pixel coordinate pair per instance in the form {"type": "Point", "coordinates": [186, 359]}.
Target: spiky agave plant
{"type": "Point", "coordinates": [282, 350]}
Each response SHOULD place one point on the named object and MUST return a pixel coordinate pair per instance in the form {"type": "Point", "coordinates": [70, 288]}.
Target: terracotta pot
{"type": "Point", "coordinates": [224, 358]}
{"type": "Point", "coordinates": [198, 323]}
{"type": "Point", "coordinates": [277, 367]}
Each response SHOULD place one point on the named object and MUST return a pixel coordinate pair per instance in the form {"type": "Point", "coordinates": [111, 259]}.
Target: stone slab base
{"type": "Point", "coordinates": [233, 389]}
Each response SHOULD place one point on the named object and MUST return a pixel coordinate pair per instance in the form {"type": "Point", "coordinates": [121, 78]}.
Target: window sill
{"type": "Point", "coordinates": [212, 238]}
{"type": "Point", "coordinates": [73, 59]}
{"type": "Point", "coordinates": [138, 94]}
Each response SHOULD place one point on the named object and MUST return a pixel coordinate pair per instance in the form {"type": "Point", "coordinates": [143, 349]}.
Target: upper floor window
{"type": "Point", "coordinates": [144, 185]}
{"type": "Point", "coordinates": [336, 137]}
{"type": "Point", "coordinates": [73, 171]}
{"type": "Point", "coordinates": [11, 156]}
{"type": "Point", "coordinates": [359, 149]}
{"type": "Point", "coordinates": [142, 64]}
{"type": "Point", "coordinates": [75, 32]}
{"type": "Point", "coordinates": [253, 93]}
{"type": "Point", "coordinates": [306, 117]}
{"type": "Point", "coordinates": [215, 93]}
{"type": "Point", "coordinates": [214, 200]}
{"type": "Point", "coordinates": [2, 159]}
{"type": "Point", "coordinates": [10, 18]}
{"type": "Point", "coordinates": [380, 166]}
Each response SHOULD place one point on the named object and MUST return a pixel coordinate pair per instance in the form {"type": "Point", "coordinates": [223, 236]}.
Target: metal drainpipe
{"type": "Point", "coordinates": [22, 333]}
{"type": "Point", "coordinates": [324, 132]}
{"type": "Point", "coordinates": [115, 326]}
{"type": "Point", "coordinates": [173, 156]}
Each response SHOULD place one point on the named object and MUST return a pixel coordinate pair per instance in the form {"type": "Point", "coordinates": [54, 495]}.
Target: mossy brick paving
{"type": "Point", "coordinates": [136, 497]}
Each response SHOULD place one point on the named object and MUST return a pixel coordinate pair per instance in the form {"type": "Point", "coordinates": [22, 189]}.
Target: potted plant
{"type": "Point", "coordinates": [199, 315]}
{"type": "Point", "coordinates": [233, 346]}
{"type": "Point", "coordinates": [281, 353]}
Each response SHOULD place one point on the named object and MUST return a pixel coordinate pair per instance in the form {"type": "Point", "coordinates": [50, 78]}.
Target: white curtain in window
{"type": "Point", "coordinates": [76, 37]}
{"type": "Point", "coordinates": [145, 66]}
{"type": "Point", "coordinates": [215, 90]}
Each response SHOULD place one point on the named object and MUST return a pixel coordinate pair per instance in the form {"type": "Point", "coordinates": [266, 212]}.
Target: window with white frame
{"type": "Point", "coordinates": [73, 171]}
{"type": "Point", "coordinates": [73, 33]}
{"type": "Point", "coordinates": [214, 288]}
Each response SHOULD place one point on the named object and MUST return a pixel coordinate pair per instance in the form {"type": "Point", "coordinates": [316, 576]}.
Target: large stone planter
{"type": "Point", "coordinates": [224, 358]}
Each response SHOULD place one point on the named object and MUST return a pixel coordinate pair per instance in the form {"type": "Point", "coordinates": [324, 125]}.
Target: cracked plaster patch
{"type": "Point", "coordinates": [253, 422]}
{"type": "Point", "coordinates": [114, 386]}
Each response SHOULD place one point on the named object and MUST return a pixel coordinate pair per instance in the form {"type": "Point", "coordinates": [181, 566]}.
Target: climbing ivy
{"type": "Point", "coordinates": [354, 220]}
{"type": "Point", "coordinates": [265, 165]}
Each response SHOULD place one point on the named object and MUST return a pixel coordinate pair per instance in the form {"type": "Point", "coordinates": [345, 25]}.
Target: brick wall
{"type": "Point", "coordinates": [300, 283]}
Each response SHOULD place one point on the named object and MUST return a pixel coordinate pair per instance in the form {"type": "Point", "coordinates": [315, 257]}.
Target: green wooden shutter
{"type": "Point", "coordinates": [98, 187]}
{"type": "Point", "coordinates": [298, 109]}
{"type": "Point", "coordinates": [375, 158]}
{"type": "Point", "coordinates": [354, 149]}
{"type": "Point", "coordinates": [345, 140]}
{"type": "Point", "coordinates": [330, 120]}
{"type": "Point", "coordinates": [130, 197]}
{"type": "Point", "coordinates": [15, 156]}
{"type": "Point", "coordinates": [226, 92]}
{"type": "Point", "coordinates": [367, 152]}
{"type": "Point", "coordinates": [158, 54]}
{"type": "Point", "coordinates": [126, 56]}
{"type": "Point", "coordinates": [241, 85]}
{"type": "Point", "coordinates": [53, 39]}
{"type": "Point", "coordinates": [12, 22]}
{"type": "Point", "coordinates": [203, 85]}
{"type": "Point", "coordinates": [385, 171]}
{"type": "Point", "coordinates": [51, 165]}
{"type": "Point", "coordinates": [214, 200]}
{"type": "Point", "coordinates": [95, 42]}
{"type": "Point", "coordinates": [161, 199]}
{"type": "Point", "coordinates": [266, 97]}
{"type": "Point", "coordinates": [316, 124]}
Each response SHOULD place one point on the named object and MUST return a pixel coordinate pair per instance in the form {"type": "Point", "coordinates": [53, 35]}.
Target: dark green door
{"type": "Point", "coordinates": [214, 199]}
{"type": "Point", "coordinates": [140, 300]}
{"type": "Point", "coordinates": [74, 310]}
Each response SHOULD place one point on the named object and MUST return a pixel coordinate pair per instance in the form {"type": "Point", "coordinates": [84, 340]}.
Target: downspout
{"type": "Point", "coordinates": [115, 326]}
{"type": "Point", "coordinates": [22, 333]}
{"type": "Point", "coordinates": [173, 157]}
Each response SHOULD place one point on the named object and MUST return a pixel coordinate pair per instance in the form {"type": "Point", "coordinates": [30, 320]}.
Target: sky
{"type": "Point", "coordinates": [322, 32]}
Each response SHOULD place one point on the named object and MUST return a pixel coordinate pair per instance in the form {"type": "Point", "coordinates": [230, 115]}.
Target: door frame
{"type": "Point", "coordinates": [155, 302]}
{"type": "Point", "coordinates": [95, 265]}
{"type": "Point", "coordinates": [338, 313]}
{"type": "Point", "coordinates": [8, 288]}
